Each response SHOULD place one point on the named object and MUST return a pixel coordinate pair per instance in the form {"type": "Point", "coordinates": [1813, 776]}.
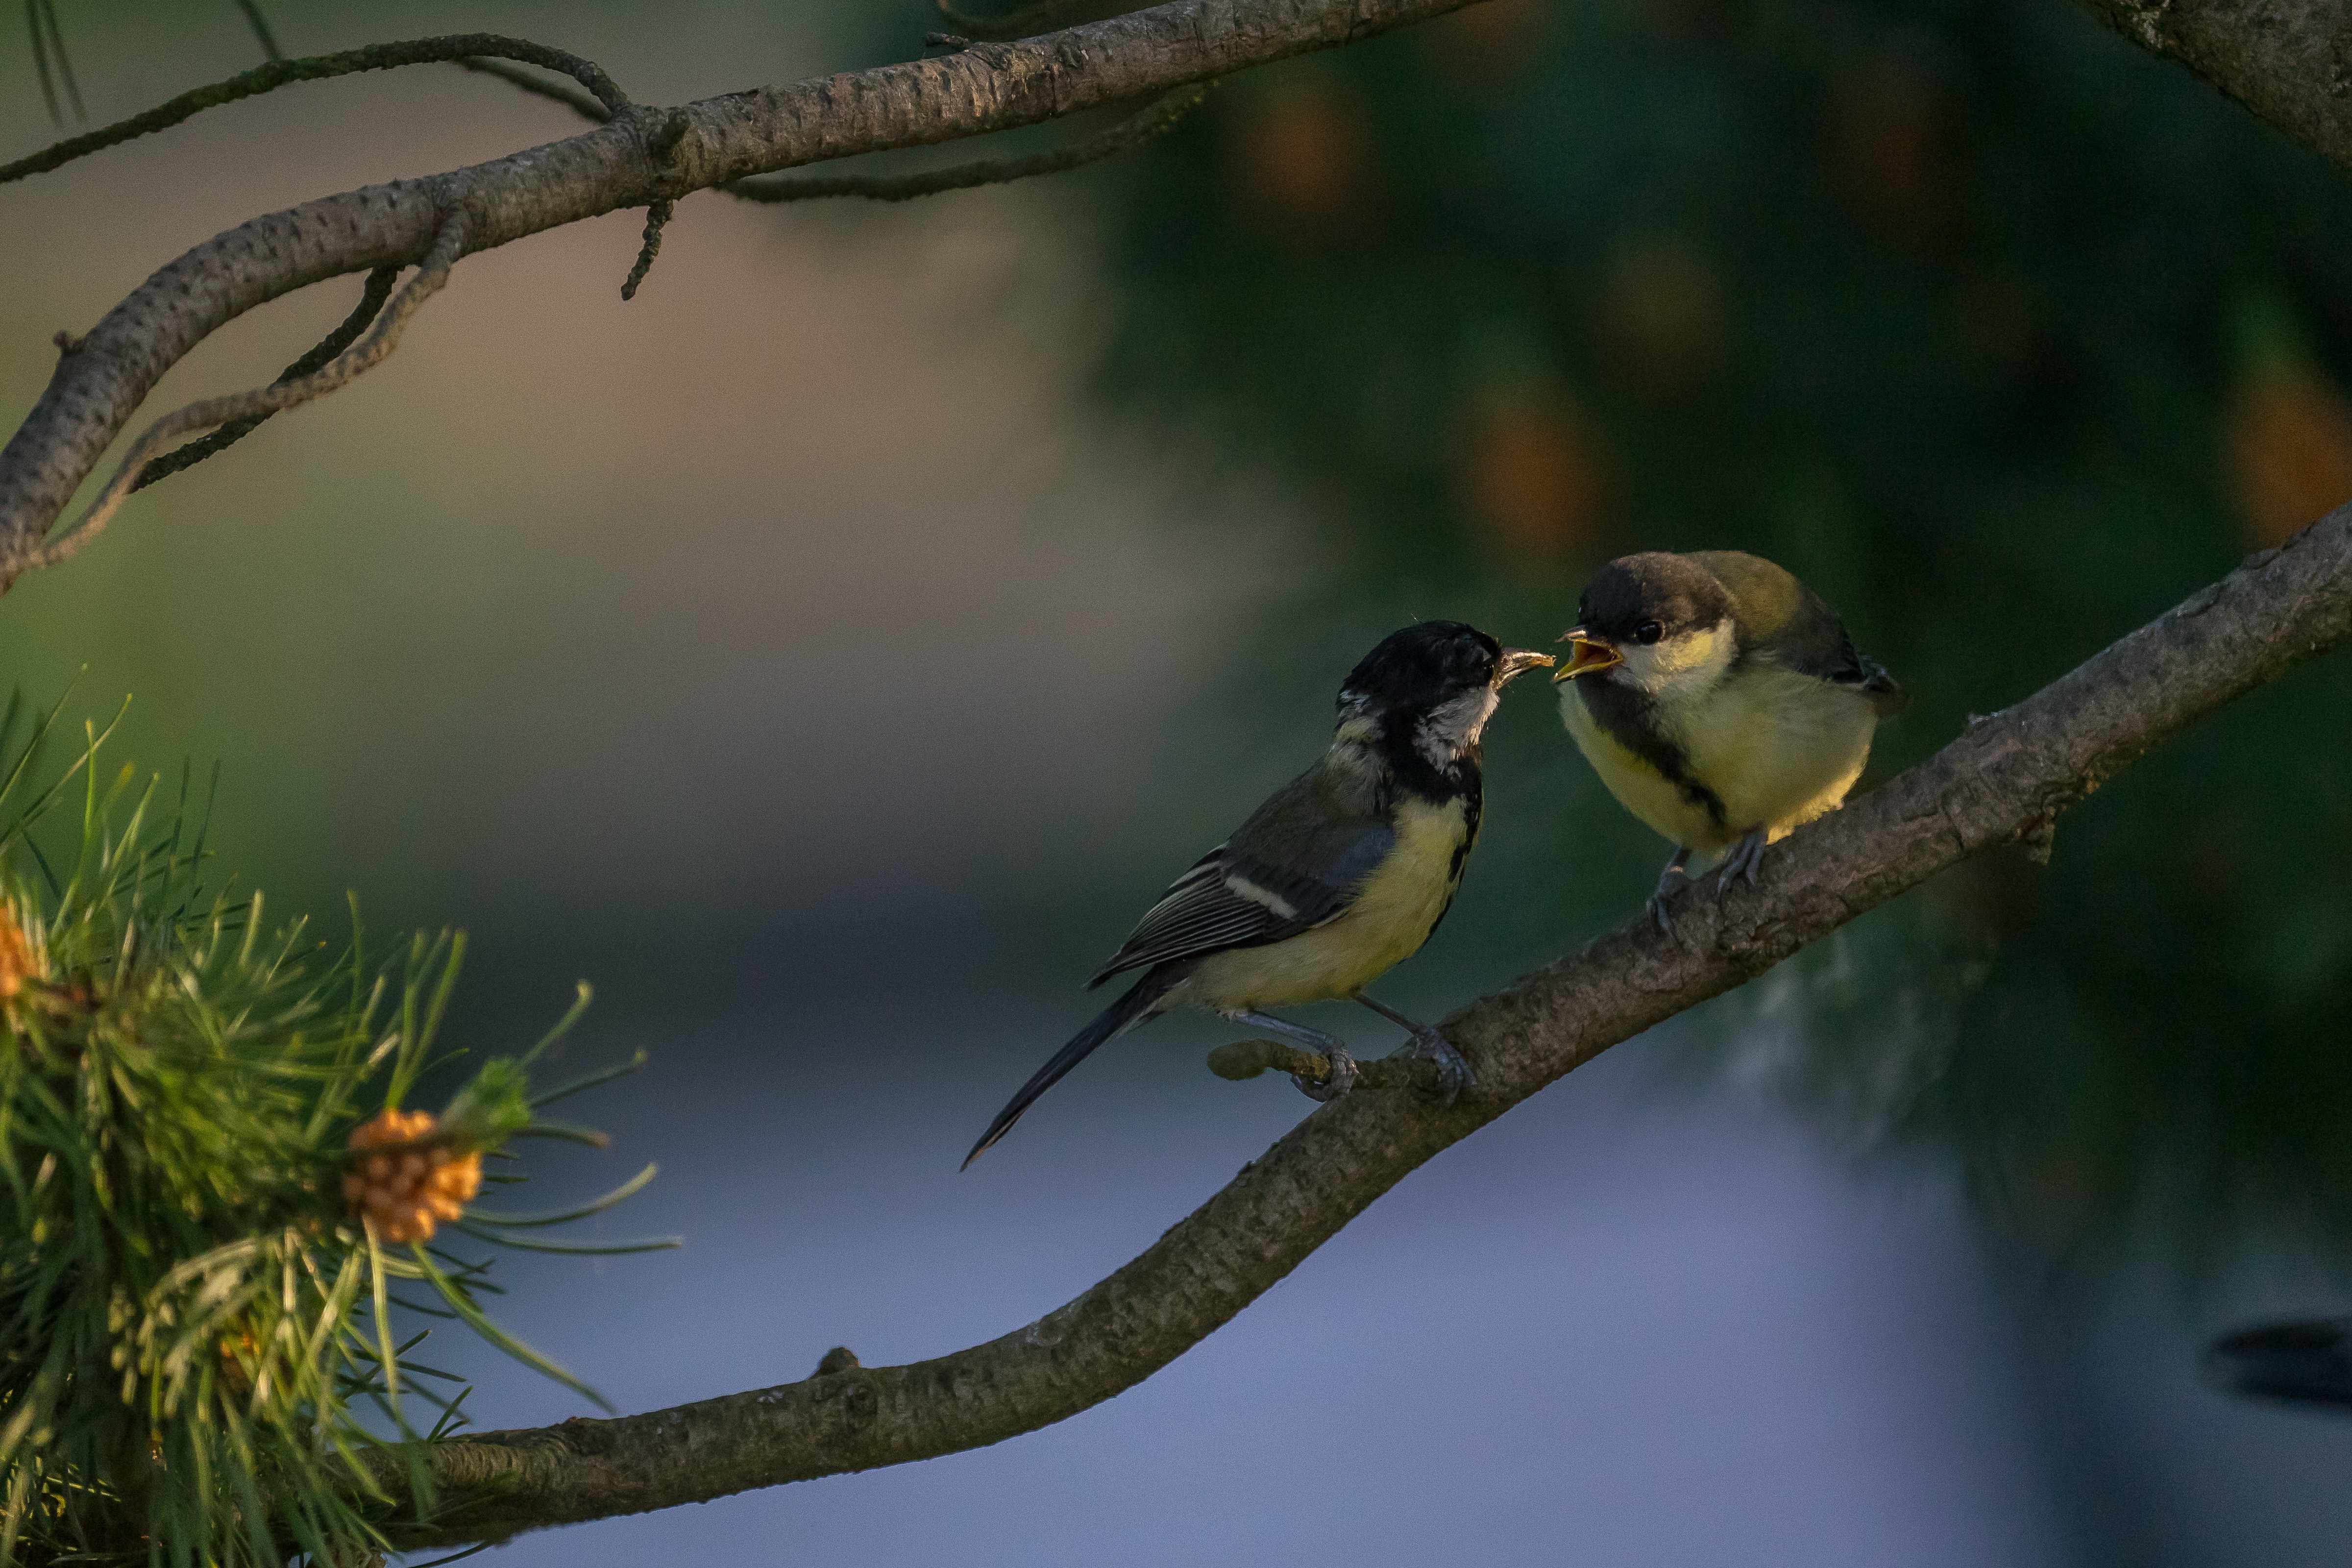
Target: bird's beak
{"type": "Point", "coordinates": [1518, 661]}
{"type": "Point", "coordinates": [1586, 653]}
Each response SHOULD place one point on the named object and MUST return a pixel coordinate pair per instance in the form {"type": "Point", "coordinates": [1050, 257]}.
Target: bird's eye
{"type": "Point", "coordinates": [1648, 632]}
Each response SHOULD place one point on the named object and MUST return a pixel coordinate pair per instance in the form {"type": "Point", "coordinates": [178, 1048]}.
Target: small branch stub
{"type": "Point", "coordinates": [1245, 1060]}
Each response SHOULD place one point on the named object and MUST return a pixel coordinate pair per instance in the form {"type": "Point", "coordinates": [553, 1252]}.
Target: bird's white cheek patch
{"type": "Point", "coordinates": [1453, 728]}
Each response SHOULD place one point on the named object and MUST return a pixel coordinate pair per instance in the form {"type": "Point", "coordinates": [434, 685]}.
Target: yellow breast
{"type": "Point", "coordinates": [1385, 924]}
{"type": "Point", "coordinates": [1640, 788]}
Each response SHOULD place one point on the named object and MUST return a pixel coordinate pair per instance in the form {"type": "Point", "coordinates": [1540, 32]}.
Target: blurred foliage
{"type": "Point", "coordinates": [214, 1204]}
{"type": "Point", "coordinates": [2002, 334]}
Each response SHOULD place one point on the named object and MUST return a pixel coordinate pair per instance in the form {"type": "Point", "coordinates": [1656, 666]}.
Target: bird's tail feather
{"type": "Point", "coordinates": [1133, 1008]}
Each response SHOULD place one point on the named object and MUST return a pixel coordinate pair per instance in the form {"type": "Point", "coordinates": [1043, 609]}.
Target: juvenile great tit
{"type": "Point", "coordinates": [1340, 876]}
{"type": "Point", "coordinates": [1720, 700]}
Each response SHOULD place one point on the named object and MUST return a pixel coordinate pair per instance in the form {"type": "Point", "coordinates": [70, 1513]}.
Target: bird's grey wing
{"type": "Point", "coordinates": [1289, 868]}
{"type": "Point", "coordinates": [1833, 656]}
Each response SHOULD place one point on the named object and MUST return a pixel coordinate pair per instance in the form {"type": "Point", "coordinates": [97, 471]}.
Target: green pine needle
{"type": "Point", "coordinates": [199, 1337]}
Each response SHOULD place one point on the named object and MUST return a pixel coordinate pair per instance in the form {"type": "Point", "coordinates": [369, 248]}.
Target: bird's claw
{"type": "Point", "coordinates": [1454, 1074]}
{"type": "Point", "coordinates": [1746, 856]}
{"type": "Point", "coordinates": [1670, 882]}
{"type": "Point", "coordinates": [1337, 1078]}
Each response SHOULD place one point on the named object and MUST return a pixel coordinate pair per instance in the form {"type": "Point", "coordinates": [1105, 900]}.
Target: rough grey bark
{"type": "Point", "coordinates": [2290, 61]}
{"type": "Point", "coordinates": [647, 155]}
{"type": "Point", "coordinates": [2003, 780]}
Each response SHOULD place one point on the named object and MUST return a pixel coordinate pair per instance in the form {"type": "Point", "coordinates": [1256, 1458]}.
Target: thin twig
{"type": "Point", "coordinates": [1156, 118]}
{"type": "Point", "coordinates": [41, 60]}
{"type": "Point", "coordinates": [656, 215]}
{"type": "Point", "coordinates": [263, 401]}
{"type": "Point", "coordinates": [279, 73]}
{"type": "Point", "coordinates": [48, 39]}
{"type": "Point", "coordinates": [564, 93]}
{"type": "Point", "coordinates": [260, 26]}
{"type": "Point", "coordinates": [372, 299]}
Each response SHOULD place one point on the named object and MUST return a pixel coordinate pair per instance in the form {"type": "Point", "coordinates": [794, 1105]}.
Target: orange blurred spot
{"type": "Point", "coordinates": [1533, 474]}
{"type": "Point", "coordinates": [17, 964]}
{"type": "Point", "coordinates": [2286, 436]}
{"type": "Point", "coordinates": [1662, 316]}
{"type": "Point", "coordinates": [1891, 142]}
{"type": "Point", "coordinates": [1304, 157]}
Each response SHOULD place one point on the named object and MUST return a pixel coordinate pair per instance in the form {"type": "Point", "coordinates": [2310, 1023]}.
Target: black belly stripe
{"type": "Point", "coordinates": [1632, 720]}
{"type": "Point", "coordinates": [1474, 805]}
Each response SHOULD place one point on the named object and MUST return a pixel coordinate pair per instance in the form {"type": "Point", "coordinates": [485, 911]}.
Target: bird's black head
{"type": "Point", "coordinates": [1649, 597]}
{"type": "Point", "coordinates": [1421, 667]}
{"type": "Point", "coordinates": [1427, 692]}
{"type": "Point", "coordinates": [1638, 601]}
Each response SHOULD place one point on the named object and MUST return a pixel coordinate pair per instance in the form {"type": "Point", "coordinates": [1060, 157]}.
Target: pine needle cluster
{"type": "Point", "coordinates": [218, 1214]}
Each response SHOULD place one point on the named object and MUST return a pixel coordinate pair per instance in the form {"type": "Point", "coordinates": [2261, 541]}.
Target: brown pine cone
{"type": "Point", "coordinates": [404, 1185]}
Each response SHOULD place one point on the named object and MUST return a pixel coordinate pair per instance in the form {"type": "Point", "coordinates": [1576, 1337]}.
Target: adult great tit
{"type": "Point", "coordinates": [1720, 700]}
{"type": "Point", "coordinates": [1340, 876]}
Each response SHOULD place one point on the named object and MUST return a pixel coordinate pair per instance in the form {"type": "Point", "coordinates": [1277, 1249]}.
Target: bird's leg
{"type": "Point", "coordinates": [1342, 1074]}
{"type": "Point", "coordinates": [1745, 857]}
{"type": "Point", "coordinates": [1672, 877]}
{"type": "Point", "coordinates": [1454, 1074]}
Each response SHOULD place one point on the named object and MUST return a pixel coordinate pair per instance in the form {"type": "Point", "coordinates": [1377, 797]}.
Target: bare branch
{"type": "Point", "coordinates": [657, 218]}
{"type": "Point", "coordinates": [581, 103]}
{"type": "Point", "coordinates": [282, 72]}
{"type": "Point", "coordinates": [372, 299]}
{"type": "Point", "coordinates": [2000, 781]}
{"type": "Point", "coordinates": [1126, 60]}
{"type": "Point", "coordinates": [250, 408]}
{"type": "Point", "coordinates": [1155, 118]}
{"type": "Point", "coordinates": [1245, 1060]}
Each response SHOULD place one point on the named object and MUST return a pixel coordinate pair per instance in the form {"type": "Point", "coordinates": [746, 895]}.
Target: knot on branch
{"type": "Point", "coordinates": [665, 131]}
{"type": "Point", "coordinates": [1245, 1060]}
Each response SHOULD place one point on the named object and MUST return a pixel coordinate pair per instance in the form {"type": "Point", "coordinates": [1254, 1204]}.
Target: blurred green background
{"type": "Point", "coordinates": [2002, 336]}
{"type": "Point", "coordinates": [855, 628]}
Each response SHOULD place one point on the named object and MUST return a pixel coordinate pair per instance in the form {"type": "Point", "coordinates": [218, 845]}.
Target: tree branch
{"type": "Point", "coordinates": [250, 408]}
{"type": "Point", "coordinates": [2290, 61]}
{"type": "Point", "coordinates": [461, 48]}
{"type": "Point", "coordinates": [1146, 54]}
{"type": "Point", "coordinates": [327, 350]}
{"type": "Point", "coordinates": [2002, 779]}
{"type": "Point", "coordinates": [1154, 119]}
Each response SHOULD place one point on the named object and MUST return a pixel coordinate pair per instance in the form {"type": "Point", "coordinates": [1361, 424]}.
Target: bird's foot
{"type": "Point", "coordinates": [1337, 1078]}
{"type": "Point", "coordinates": [1670, 882]}
{"type": "Point", "coordinates": [1454, 1074]}
{"type": "Point", "coordinates": [1745, 858]}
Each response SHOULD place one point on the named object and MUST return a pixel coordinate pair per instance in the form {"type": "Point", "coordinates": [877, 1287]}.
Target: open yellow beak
{"type": "Point", "coordinates": [1586, 654]}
